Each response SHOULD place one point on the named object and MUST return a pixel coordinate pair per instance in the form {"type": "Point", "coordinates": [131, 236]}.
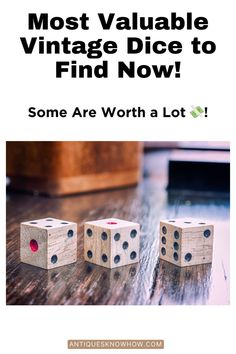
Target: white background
{"type": "Point", "coordinates": [206, 80]}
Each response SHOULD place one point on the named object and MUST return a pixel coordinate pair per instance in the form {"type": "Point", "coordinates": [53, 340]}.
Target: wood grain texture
{"type": "Point", "coordinates": [56, 242]}
{"type": "Point", "coordinates": [183, 241]}
{"type": "Point", "coordinates": [118, 248]}
{"type": "Point", "coordinates": [60, 168]}
{"type": "Point", "coordinates": [149, 282]}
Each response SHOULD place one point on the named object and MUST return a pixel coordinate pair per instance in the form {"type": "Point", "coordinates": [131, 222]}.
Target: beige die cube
{"type": "Point", "coordinates": [111, 242]}
{"type": "Point", "coordinates": [48, 243]}
{"type": "Point", "coordinates": [186, 241]}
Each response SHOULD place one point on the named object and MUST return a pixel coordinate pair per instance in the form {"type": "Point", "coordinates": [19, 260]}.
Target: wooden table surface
{"type": "Point", "coordinates": [151, 281]}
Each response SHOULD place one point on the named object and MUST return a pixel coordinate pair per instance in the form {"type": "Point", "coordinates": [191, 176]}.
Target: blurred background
{"type": "Point", "coordinates": [138, 181]}
{"type": "Point", "coordinates": [60, 168]}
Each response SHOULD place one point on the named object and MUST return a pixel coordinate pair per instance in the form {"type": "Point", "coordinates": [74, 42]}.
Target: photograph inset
{"type": "Point", "coordinates": [118, 223]}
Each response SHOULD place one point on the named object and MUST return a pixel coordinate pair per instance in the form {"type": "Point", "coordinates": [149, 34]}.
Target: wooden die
{"type": "Point", "coordinates": [111, 242]}
{"type": "Point", "coordinates": [48, 243]}
{"type": "Point", "coordinates": [186, 241]}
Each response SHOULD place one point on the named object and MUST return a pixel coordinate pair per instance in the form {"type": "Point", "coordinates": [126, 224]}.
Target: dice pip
{"type": "Point", "coordinates": [111, 242]}
{"type": "Point", "coordinates": [48, 243]}
{"type": "Point", "coordinates": [186, 241]}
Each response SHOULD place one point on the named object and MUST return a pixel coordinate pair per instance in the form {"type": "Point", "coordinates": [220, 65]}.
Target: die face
{"type": "Point", "coordinates": [33, 246]}
{"type": "Point", "coordinates": [112, 223]}
{"type": "Point", "coordinates": [111, 242]}
{"type": "Point", "coordinates": [97, 244]}
{"type": "Point", "coordinates": [187, 224]}
{"type": "Point", "coordinates": [170, 243]}
{"type": "Point", "coordinates": [197, 247]}
{"type": "Point", "coordinates": [62, 245]}
{"type": "Point", "coordinates": [47, 223]}
{"type": "Point", "coordinates": [125, 244]}
{"type": "Point", "coordinates": [48, 243]}
{"type": "Point", "coordinates": [186, 242]}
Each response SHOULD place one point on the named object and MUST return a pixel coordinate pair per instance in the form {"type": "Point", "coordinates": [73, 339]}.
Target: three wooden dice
{"type": "Point", "coordinates": [48, 243]}
{"type": "Point", "coordinates": [111, 242]}
{"type": "Point", "coordinates": [187, 241]}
